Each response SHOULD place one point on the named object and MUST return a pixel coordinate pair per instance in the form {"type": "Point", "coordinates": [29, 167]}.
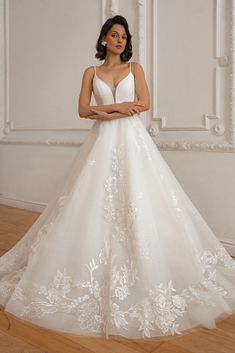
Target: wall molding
{"type": "Point", "coordinates": [27, 205]}
{"type": "Point", "coordinates": [12, 134]}
{"type": "Point", "coordinates": [114, 8]}
{"type": "Point", "coordinates": [142, 42]}
{"type": "Point", "coordinates": [229, 244]}
{"type": "Point", "coordinates": [7, 127]}
{"type": "Point", "coordinates": [2, 66]}
{"type": "Point", "coordinates": [209, 122]}
{"type": "Point", "coordinates": [184, 145]}
{"type": "Point", "coordinates": [199, 146]}
{"type": "Point", "coordinates": [46, 142]}
{"type": "Point", "coordinates": [231, 121]}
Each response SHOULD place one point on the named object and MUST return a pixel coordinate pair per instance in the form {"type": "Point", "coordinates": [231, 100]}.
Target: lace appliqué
{"type": "Point", "coordinates": [205, 291]}
{"type": "Point", "coordinates": [141, 142]}
{"type": "Point", "coordinates": [14, 258]}
{"type": "Point", "coordinates": [118, 210]}
{"type": "Point", "coordinates": [121, 211]}
{"type": "Point", "coordinates": [91, 162]}
{"type": "Point", "coordinates": [97, 308]}
{"type": "Point", "coordinates": [40, 236]}
{"type": "Point", "coordinates": [90, 308]}
{"type": "Point", "coordinates": [97, 302]}
{"type": "Point", "coordinates": [9, 283]}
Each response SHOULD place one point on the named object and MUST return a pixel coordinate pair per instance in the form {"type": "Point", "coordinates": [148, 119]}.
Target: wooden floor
{"type": "Point", "coordinates": [19, 337]}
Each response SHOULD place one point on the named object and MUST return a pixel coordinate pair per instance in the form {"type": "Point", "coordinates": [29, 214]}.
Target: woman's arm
{"type": "Point", "coordinates": [117, 110]}
{"type": "Point", "coordinates": [141, 86]}
{"type": "Point", "coordinates": [101, 115]}
{"type": "Point", "coordinates": [84, 107]}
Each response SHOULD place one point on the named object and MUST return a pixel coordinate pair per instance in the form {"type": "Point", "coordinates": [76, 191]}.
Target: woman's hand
{"type": "Point", "coordinates": [124, 109]}
{"type": "Point", "coordinates": [101, 115]}
{"type": "Point", "coordinates": [129, 108]}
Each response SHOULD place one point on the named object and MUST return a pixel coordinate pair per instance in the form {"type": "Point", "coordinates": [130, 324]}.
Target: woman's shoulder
{"type": "Point", "coordinates": [136, 67]}
{"type": "Point", "coordinates": [89, 68]}
{"type": "Point", "coordinates": [135, 64]}
{"type": "Point", "coordinates": [89, 71]}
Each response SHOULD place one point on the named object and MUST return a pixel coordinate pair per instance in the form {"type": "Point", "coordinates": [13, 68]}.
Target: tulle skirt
{"type": "Point", "coordinates": [120, 250]}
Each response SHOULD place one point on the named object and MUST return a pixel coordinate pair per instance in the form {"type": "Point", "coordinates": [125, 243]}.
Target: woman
{"type": "Point", "coordinates": [114, 45]}
{"type": "Point", "coordinates": [120, 250]}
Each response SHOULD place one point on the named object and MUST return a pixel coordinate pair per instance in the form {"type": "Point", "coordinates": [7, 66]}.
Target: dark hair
{"type": "Point", "coordinates": [101, 50]}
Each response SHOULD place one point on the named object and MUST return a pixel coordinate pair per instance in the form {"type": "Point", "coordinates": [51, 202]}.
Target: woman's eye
{"type": "Point", "coordinates": [114, 35]}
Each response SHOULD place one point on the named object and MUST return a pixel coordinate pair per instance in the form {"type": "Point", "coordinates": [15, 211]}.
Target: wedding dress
{"type": "Point", "coordinates": [120, 250]}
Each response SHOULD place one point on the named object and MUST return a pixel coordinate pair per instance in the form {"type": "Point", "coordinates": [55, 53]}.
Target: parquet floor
{"type": "Point", "coordinates": [18, 337]}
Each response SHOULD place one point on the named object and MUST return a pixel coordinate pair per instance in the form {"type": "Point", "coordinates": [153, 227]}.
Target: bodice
{"type": "Point", "coordinates": [124, 91]}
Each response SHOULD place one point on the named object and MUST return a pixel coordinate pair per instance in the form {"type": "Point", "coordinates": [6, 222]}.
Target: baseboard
{"type": "Point", "coordinates": [229, 246]}
{"type": "Point", "coordinates": [26, 205]}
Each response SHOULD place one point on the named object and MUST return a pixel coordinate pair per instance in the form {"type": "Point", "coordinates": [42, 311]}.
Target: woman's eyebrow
{"type": "Point", "coordinates": [118, 33]}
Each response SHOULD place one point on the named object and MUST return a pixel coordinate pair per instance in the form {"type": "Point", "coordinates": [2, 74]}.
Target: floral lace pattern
{"type": "Point", "coordinates": [119, 211]}
{"type": "Point", "coordinates": [113, 293]}
{"type": "Point", "coordinates": [161, 307]}
{"type": "Point", "coordinates": [141, 145]}
{"type": "Point", "coordinates": [9, 283]}
{"type": "Point", "coordinates": [40, 236]}
{"type": "Point", "coordinates": [14, 257]}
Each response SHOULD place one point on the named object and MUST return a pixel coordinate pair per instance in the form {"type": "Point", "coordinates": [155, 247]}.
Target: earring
{"type": "Point", "coordinates": [103, 43]}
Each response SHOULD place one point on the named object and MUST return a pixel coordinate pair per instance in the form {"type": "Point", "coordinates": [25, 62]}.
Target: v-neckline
{"type": "Point", "coordinates": [115, 89]}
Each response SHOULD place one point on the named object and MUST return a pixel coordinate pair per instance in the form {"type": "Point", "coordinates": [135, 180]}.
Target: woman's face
{"type": "Point", "coordinates": [116, 39]}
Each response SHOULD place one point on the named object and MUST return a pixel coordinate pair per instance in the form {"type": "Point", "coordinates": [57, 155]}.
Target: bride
{"type": "Point", "coordinates": [120, 250]}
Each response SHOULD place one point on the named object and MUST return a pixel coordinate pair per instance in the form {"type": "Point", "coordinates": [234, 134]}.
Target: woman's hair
{"type": "Point", "coordinates": [101, 49]}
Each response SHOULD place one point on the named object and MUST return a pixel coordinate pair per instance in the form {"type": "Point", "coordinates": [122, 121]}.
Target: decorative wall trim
{"type": "Point", "coordinates": [114, 7]}
{"type": "Point", "coordinates": [108, 8]}
{"type": "Point", "coordinates": [2, 62]}
{"type": "Point", "coordinates": [27, 205]}
{"type": "Point", "coordinates": [7, 124]}
{"type": "Point", "coordinates": [21, 129]}
{"type": "Point", "coordinates": [184, 145]}
{"type": "Point", "coordinates": [161, 121]}
{"type": "Point", "coordinates": [231, 122]}
{"type": "Point", "coordinates": [199, 146]}
{"type": "Point", "coordinates": [158, 124]}
{"type": "Point", "coordinates": [103, 8]}
{"type": "Point", "coordinates": [48, 142]}
{"type": "Point", "coordinates": [142, 35]}
{"type": "Point", "coordinates": [142, 42]}
{"type": "Point", "coordinates": [229, 245]}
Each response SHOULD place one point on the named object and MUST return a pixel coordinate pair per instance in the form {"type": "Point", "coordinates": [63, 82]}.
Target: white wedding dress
{"type": "Point", "coordinates": [120, 250]}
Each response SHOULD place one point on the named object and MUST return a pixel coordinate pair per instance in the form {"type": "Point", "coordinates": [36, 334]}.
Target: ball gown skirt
{"type": "Point", "coordinates": [120, 249]}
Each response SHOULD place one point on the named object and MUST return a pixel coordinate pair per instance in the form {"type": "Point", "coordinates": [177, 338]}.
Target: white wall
{"type": "Point", "coordinates": [186, 51]}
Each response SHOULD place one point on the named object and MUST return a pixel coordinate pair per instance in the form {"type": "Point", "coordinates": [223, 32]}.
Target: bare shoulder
{"type": "Point", "coordinates": [137, 67]}
{"type": "Point", "coordinates": [89, 71]}
{"type": "Point", "coordinates": [134, 63]}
